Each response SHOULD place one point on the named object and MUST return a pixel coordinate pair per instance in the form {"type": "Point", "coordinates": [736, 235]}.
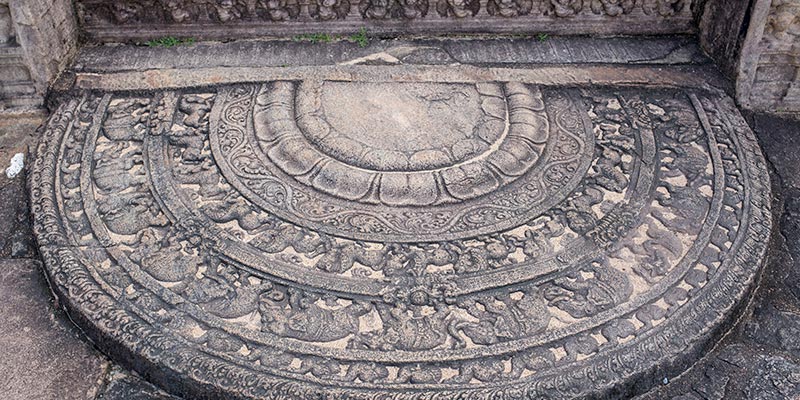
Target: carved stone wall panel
{"type": "Point", "coordinates": [721, 33]}
{"type": "Point", "coordinates": [37, 40]}
{"type": "Point", "coordinates": [227, 19]}
{"type": "Point", "coordinates": [219, 240]}
{"type": "Point", "coordinates": [7, 32]}
{"type": "Point", "coordinates": [769, 65]}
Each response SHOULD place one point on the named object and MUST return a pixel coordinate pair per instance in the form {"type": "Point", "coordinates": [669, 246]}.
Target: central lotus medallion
{"type": "Point", "coordinates": [405, 161]}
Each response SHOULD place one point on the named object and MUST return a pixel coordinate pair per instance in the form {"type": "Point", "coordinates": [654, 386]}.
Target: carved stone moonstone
{"type": "Point", "coordinates": [412, 239]}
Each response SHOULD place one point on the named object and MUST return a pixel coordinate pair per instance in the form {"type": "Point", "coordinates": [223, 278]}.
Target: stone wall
{"type": "Point", "coordinates": [722, 30]}
{"type": "Point", "coordinates": [48, 32]}
{"type": "Point", "coordinates": [757, 44]}
{"type": "Point", "coordinates": [768, 76]}
{"type": "Point", "coordinates": [125, 20]}
{"type": "Point", "coordinates": [16, 85]}
{"type": "Point", "coordinates": [37, 40]}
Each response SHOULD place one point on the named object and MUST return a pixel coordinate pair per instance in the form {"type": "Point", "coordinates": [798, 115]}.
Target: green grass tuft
{"type": "Point", "coordinates": [314, 38]}
{"type": "Point", "coordinates": [361, 37]}
{"type": "Point", "coordinates": [169, 41]}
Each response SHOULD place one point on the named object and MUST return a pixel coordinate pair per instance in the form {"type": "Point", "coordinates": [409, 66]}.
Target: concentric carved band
{"type": "Point", "coordinates": [447, 188]}
{"type": "Point", "coordinates": [428, 159]}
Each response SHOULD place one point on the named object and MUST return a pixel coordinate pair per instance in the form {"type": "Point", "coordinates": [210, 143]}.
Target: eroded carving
{"type": "Point", "coordinates": [326, 10]}
{"type": "Point", "coordinates": [782, 30]}
{"type": "Point", "coordinates": [665, 15]}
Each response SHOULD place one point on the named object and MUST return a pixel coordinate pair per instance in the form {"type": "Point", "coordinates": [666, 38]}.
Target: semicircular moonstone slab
{"type": "Point", "coordinates": [404, 240]}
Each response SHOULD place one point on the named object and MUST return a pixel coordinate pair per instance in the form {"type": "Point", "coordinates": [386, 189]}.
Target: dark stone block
{"type": "Point", "coordinates": [722, 31]}
{"type": "Point", "coordinates": [42, 355]}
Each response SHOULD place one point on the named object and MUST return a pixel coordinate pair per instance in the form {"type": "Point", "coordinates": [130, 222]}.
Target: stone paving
{"type": "Point", "coordinates": [306, 232]}
{"type": "Point", "coordinates": [43, 356]}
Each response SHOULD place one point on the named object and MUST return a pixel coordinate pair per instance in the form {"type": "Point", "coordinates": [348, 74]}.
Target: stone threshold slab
{"type": "Point", "coordinates": [513, 52]}
{"type": "Point", "coordinates": [578, 75]}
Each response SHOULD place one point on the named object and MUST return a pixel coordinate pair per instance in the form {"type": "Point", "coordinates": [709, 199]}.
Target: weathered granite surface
{"type": "Point", "coordinates": [740, 368]}
{"type": "Point", "coordinates": [722, 29]}
{"type": "Point", "coordinates": [15, 77]}
{"type": "Point", "coordinates": [37, 40]}
{"type": "Point", "coordinates": [14, 219]}
{"type": "Point", "coordinates": [128, 20]}
{"type": "Point", "coordinates": [778, 138]}
{"type": "Point", "coordinates": [768, 76]}
{"type": "Point", "coordinates": [122, 384]}
{"type": "Point", "coordinates": [510, 52]}
{"type": "Point", "coordinates": [7, 32]}
{"type": "Point", "coordinates": [43, 355]}
{"type": "Point", "coordinates": [17, 136]}
{"type": "Point", "coordinates": [48, 34]}
{"type": "Point", "coordinates": [558, 60]}
{"type": "Point", "coordinates": [277, 208]}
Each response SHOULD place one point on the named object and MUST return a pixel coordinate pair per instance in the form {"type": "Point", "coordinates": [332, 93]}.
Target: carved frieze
{"type": "Point", "coordinates": [769, 75]}
{"type": "Point", "coordinates": [103, 18]}
{"type": "Point", "coordinates": [782, 32]}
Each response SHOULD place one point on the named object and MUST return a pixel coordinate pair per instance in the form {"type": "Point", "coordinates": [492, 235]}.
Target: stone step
{"type": "Point", "coordinates": [22, 102]}
{"type": "Point", "coordinates": [510, 52]}
{"type": "Point", "coordinates": [6, 51]}
{"type": "Point", "coordinates": [17, 88]}
{"type": "Point", "coordinates": [14, 72]}
{"type": "Point", "coordinates": [12, 61]}
{"type": "Point", "coordinates": [43, 357]}
{"type": "Point", "coordinates": [11, 55]}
